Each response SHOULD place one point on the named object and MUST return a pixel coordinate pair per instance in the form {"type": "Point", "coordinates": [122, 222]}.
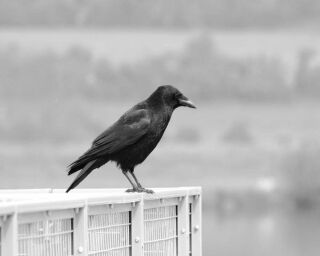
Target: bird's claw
{"type": "Point", "coordinates": [140, 190]}
{"type": "Point", "coordinates": [148, 191]}
{"type": "Point", "coordinates": [131, 190]}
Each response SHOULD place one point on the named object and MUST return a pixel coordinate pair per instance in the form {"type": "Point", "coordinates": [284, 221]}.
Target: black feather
{"type": "Point", "coordinates": [84, 173]}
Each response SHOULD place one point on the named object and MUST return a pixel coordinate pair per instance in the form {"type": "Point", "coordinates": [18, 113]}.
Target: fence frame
{"type": "Point", "coordinates": [20, 206]}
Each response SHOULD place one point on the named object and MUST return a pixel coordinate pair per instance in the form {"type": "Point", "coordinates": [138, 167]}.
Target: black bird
{"type": "Point", "coordinates": [132, 138]}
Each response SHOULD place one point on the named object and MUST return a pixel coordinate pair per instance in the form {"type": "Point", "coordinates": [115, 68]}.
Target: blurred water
{"type": "Point", "coordinates": [274, 233]}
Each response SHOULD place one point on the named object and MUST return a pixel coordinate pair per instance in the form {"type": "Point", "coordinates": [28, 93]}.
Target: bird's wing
{"type": "Point", "coordinates": [126, 131]}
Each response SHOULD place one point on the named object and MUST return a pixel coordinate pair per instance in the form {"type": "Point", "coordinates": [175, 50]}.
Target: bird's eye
{"type": "Point", "coordinates": [178, 95]}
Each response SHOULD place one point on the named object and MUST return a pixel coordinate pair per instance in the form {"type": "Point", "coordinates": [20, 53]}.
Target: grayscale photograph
{"type": "Point", "coordinates": [159, 128]}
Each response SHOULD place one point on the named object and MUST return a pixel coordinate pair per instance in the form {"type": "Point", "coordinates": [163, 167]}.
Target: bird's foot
{"type": "Point", "coordinates": [148, 191]}
{"type": "Point", "coordinates": [132, 190]}
{"type": "Point", "coordinates": [140, 190]}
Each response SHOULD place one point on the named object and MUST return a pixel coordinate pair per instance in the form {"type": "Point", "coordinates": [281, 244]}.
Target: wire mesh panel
{"type": "Point", "coordinates": [46, 238]}
{"type": "Point", "coordinates": [160, 230]}
{"type": "Point", "coordinates": [110, 234]}
{"type": "Point", "coordinates": [190, 229]}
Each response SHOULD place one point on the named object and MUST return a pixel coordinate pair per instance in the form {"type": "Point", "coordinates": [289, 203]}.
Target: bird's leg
{"type": "Point", "coordinates": [134, 186]}
{"type": "Point", "coordinates": [140, 188]}
{"type": "Point", "coordinates": [135, 179]}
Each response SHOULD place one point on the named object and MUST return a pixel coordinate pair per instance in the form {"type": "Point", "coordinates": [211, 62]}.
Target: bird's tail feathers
{"type": "Point", "coordinates": [78, 164]}
{"type": "Point", "coordinates": [74, 167]}
{"type": "Point", "coordinates": [87, 169]}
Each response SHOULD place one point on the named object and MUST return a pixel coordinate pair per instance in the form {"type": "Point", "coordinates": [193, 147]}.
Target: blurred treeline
{"type": "Point", "coordinates": [160, 13]}
{"type": "Point", "coordinates": [200, 69]}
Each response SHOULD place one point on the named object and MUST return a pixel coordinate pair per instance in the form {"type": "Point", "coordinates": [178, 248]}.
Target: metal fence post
{"type": "Point", "coordinates": [10, 235]}
{"type": "Point", "coordinates": [183, 226]}
{"type": "Point", "coordinates": [197, 226]}
{"type": "Point", "coordinates": [81, 231]}
{"type": "Point", "coordinates": [137, 228]}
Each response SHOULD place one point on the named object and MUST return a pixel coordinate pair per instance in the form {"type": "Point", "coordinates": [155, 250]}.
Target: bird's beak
{"type": "Point", "coordinates": [184, 101]}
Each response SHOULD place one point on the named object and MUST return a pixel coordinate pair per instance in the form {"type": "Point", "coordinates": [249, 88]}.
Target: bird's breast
{"type": "Point", "coordinates": [139, 151]}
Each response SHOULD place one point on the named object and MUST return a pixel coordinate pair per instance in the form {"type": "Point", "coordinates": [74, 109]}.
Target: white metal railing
{"type": "Point", "coordinates": [100, 222]}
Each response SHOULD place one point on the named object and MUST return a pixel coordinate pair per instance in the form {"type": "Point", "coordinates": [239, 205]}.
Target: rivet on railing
{"type": "Point", "coordinates": [111, 206]}
{"type": "Point", "coordinates": [196, 227]}
{"type": "Point", "coordinates": [137, 240]}
{"type": "Point", "coordinates": [183, 231]}
{"type": "Point", "coordinates": [80, 249]}
{"type": "Point", "coordinates": [133, 204]}
{"type": "Point", "coordinates": [48, 213]}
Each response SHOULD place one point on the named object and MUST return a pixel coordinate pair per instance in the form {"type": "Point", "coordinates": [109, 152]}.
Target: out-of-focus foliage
{"type": "Point", "coordinates": [160, 13]}
{"type": "Point", "coordinates": [200, 69]}
{"type": "Point", "coordinates": [307, 75]}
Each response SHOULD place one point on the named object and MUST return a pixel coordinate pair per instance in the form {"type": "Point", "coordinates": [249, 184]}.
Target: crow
{"type": "Point", "coordinates": [130, 140]}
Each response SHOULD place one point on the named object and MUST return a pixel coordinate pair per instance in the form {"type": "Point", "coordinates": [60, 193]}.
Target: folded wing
{"type": "Point", "coordinates": [131, 127]}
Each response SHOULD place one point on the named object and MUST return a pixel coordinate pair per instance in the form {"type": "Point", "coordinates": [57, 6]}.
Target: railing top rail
{"type": "Point", "coordinates": [31, 200]}
{"type": "Point", "coordinates": [196, 190]}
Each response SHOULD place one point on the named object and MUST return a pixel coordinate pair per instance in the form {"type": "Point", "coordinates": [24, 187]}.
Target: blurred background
{"type": "Point", "coordinates": [70, 68]}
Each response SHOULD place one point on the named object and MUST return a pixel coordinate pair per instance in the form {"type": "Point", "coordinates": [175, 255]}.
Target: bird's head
{"type": "Point", "coordinates": [172, 97]}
